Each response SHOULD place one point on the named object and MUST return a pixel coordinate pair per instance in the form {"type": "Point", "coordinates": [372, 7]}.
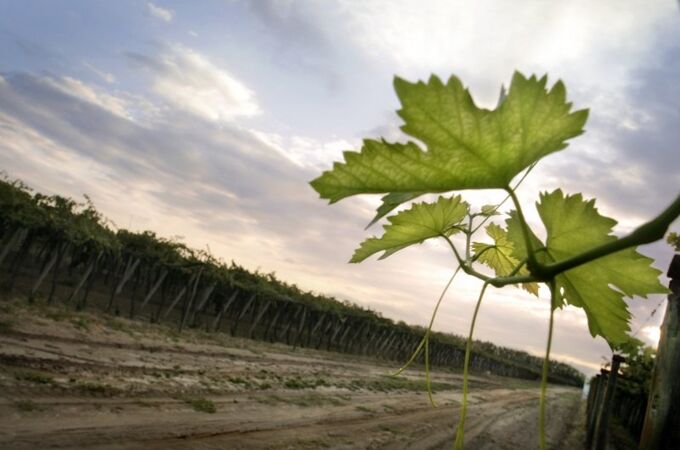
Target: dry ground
{"type": "Point", "coordinates": [76, 380]}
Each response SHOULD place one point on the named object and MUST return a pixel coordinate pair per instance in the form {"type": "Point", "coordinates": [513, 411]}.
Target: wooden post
{"type": "Point", "coordinates": [200, 304]}
{"type": "Point", "coordinates": [84, 277]}
{"type": "Point", "coordinates": [180, 294]}
{"type": "Point", "coordinates": [10, 243]}
{"type": "Point", "coordinates": [188, 302]}
{"type": "Point", "coordinates": [592, 407]}
{"type": "Point", "coordinates": [270, 331]}
{"type": "Point", "coordinates": [152, 291]}
{"type": "Point", "coordinates": [45, 271]}
{"type": "Point", "coordinates": [243, 312]}
{"type": "Point", "coordinates": [300, 327]}
{"type": "Point", "coordinates": [601, 427]}
{"type": "Point", "coordinates": [218, 320]}
{"type": "Point", "coordinates": [129, 271]}
{"type": "Point", "coordinates": [18, 259]}
{"type": "Point", "coordinates": [253, 325]}
{"type": "Point", "coordinates": [661, 429]}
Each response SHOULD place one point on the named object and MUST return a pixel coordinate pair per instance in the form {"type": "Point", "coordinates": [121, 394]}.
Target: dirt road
{"type": "Point", "coordinates": [80, 381]}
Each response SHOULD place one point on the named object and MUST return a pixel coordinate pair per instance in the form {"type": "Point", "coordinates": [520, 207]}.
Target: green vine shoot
{"type": "Point", "coordinates": [580, 261]}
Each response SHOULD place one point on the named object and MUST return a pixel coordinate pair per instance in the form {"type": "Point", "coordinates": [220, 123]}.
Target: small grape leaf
{"type": "Point", "coordinates": [573, 226]}
{"type": "Point", "coordinates": [413, 226]}
{"type": "Point", "coordinates": [467, 147]}
{"type": "Point", "coordinates": [392, 201]}
{"type": "Point", "coordinates": [489, 210]}
{"type": "Point", "coordinates": [499, 255]}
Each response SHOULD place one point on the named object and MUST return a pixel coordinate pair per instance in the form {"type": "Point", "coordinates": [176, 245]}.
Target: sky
{"type": "Point", "coordinates": [206, 121]}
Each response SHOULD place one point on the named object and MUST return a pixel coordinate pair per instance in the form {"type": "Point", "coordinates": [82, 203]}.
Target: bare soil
{"type": "Point", "coordinates": [77, 380]}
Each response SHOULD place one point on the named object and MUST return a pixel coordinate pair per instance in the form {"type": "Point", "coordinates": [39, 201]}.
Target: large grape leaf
{"type": "Point", "coordinates": [412, 226]}
{"type": "Point", "coordinates": [573, 226]}
{"type": "Point", "coordinates": [499, 255]}
{"type": "Point", "coordinates": [467, 147]}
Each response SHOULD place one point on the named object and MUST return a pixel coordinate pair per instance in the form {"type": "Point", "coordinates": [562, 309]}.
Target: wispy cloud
{"type": "Point", "coordinates": [192, 82]}
{"type": "Point", "coordinates": [166, 15]}
{"type": "Point", "coordinates": [106, 76]}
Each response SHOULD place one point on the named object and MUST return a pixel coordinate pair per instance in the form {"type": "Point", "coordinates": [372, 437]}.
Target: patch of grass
{"type": "Point", "coordinates": [6, 307]}
{"type": "Point", "coordinates": [5, 326]}
{"type": "Point", "coordinates": [389, 383]}
{"type": "Point", "coordinates": [58, 315]}
{"type": "Point", "coordinates": [239, 380]}
{"type": "Point", "coordinates": [299, 383]}
{"type": "Point", "coordinates": [264, 386]}
{"type": "Point", "coordinates": [145, 404]}
{"type": "Point", "coordinates": [363, 408]}
{"type": "Point", "coordinates": [33, 377]}
{"type": "Point", "coordinates": [118, 325]}
{"type": "Point", "coordinates": [201, 405]}
{"type": "Point", "coordinates": [389, 429]}
{"type": "Point", "coordinates": [101, 390]}
{"type": "Point", "coordinates": [26, 406]}
{"type": "Point", "coordinates": [81, 323]}
{"type": "Point", "coordinates": [312, 443]}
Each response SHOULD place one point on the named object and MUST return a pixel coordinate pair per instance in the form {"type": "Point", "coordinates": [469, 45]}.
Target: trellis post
{"type": "Point", "coordinates": [662, 419]}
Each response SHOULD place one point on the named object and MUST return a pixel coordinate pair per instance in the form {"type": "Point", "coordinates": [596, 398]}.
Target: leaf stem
{"type": "Point", "coordinates": [460, 260]}
{"type": "Point", "coordinates": [546, 366]}
{"type": "Point", "coordinates": [526, 232]}
{"type": "Point", "coordinates": [494, 281]}
{"type": "Point", "coordinates": [479, 225]}
{"type": "Point", "coordinates": [425, 339]}
{"type": "Point", "coordinates": [468, 236]}
{"type": "Point", "coordinates": [460, 431]}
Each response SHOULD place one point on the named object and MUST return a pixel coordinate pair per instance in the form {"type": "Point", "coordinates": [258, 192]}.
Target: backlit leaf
{"type": "Point", "coordinates": [499, 255]}
{"type": "Point", "coordinates": [467, 147]}
{"type": "Point", "coordinates": [392, 201]}
{"type": "Point", "coordinates": [573, 226]}
{"type": "Point", "coordinates": [489, 210]}
{"type": "Point", "coordinates": [412, 226]}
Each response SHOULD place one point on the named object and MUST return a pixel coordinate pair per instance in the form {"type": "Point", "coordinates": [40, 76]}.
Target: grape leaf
{"type": "Point", "coordinates": [467, 147]}
{"type": "Point", "coordinates": [573, 226]}
{"type": "Point", "coordinates": [412, 226]}
{"type": "Point", "coordinates": [499, 255]}
{"type": "Point", "coordinates": [489, 210]}
{"type": "Point", "coordinates": [391, 202]}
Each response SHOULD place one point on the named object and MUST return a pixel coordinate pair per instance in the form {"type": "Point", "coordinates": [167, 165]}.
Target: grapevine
{"type": "Point", "coordinates": [581, 262]}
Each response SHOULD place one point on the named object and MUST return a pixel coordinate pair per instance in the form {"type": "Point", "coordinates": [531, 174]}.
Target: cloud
{"type": "Point", "coordinates": [166, 15]}
{"type": "Point", "coordinates": [191, 82]}
{"type": "Point", "coordinates": [106, 76]}
{"type": "Point", "coordinates": [305, 151]}
{"type": "Point", "coordinates": [300, 36]}
{"type": "Point", "coordinates": [218, 184]}
{"type": "Point", "coordinates": [77, 88]}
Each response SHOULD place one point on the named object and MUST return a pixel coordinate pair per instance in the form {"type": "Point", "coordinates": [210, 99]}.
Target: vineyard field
{"type": "Point", "coordinates": [79, 380]}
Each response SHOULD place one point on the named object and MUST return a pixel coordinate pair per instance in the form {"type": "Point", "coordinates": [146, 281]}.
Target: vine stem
{"type": "Point", "coordinates": [546, 366]}
{"type": "Point", "coordinates": [425, 339]}
{"type": "Point", "coordinates": [526, 231]}
{"type": "Point", "coordinates": [526, 173]}
{"type": "Point", "coordinates": [460, 431]}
